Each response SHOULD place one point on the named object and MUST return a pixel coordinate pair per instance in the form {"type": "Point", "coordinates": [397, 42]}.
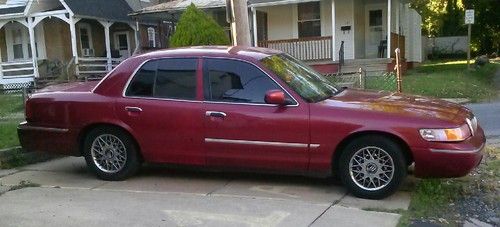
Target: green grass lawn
{"type": "Point", "coordinates": [10, 103]}
{"type": "Point", "coordinates": [11, 109]}
{"type": "Point", "coordinates": [8, 134]}
{"type": "Point", "coordinates": [440, 79]}
{"type": "Point", "coordinates": [435, 199]}
{"type": "Point", "coordinates": [451, 79]}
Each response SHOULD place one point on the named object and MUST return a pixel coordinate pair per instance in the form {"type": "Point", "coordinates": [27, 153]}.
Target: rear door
{"type": "Point", "coordinates": [161, 106]}
{"type": "Point", "coordinates": [241, 130]}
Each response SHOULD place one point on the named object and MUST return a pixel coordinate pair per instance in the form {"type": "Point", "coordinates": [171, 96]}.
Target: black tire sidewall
{"type": "Point", "coordinates": [132, 163]}
{"type": "Point", "coordinates": [388, 145]}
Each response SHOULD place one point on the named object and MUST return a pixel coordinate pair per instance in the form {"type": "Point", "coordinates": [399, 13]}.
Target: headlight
{"type": "Point", "coordinates": [446, 135]}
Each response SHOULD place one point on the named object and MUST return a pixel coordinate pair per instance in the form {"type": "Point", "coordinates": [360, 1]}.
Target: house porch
{"type": "Point", "coordinates": [329, 33]}
{"type": "Point", "coordinates": [66, 41]}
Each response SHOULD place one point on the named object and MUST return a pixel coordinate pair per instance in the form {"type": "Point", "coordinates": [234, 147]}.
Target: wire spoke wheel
{"type": "Point", "coordinates": [108, 153]}
{"type": "Point", "coordinates": [371, 168]}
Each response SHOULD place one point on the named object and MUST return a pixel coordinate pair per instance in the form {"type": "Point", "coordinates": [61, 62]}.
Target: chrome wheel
{"type": "Point", "coordinates": [108, 153]}
{"type": "Point", "coordinates": [371, 168]}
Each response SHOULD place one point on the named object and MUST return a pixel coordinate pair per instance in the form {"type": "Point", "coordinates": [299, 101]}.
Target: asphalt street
{"type": "Point", "coordinates": [488, 115]}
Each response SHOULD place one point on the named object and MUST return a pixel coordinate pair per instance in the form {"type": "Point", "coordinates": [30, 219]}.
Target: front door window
{"type": "Point", "coordinates": [236, 81]}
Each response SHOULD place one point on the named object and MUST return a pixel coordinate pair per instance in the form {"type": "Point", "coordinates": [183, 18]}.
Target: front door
{"type": "Point", "coordinates": [161, 108]}
{"type": "Point", "coordinates": [122, 44]}
{"type": "Point", "coordinates": [241, 130]}
{"type": "Point", "coordinates": [376, 31]}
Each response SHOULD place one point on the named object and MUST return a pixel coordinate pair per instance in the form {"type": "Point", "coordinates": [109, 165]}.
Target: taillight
{"type": "Point", "coordinates": [27, 109]}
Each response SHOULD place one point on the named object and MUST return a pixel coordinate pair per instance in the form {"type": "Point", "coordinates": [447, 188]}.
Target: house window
{"type": "Point", "coordinates": [86, 39]}
{"type": "Point", "coordinates": [17, 44]}
{"type": "Point", "coordinates": [309, 19]}
{"type": "Point", "coordinates": [151, 37]}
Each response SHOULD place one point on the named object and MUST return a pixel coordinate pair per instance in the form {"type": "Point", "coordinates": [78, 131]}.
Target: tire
{"type": "Point", "coordinates": [115, 156]}
{"type": "Point", "coordinates": [370, 176]}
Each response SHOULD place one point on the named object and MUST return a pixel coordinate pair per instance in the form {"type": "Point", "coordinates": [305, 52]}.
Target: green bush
{"type": "Point", "coordinates": [195, 28]}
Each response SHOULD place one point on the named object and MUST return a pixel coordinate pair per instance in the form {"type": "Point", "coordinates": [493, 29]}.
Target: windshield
{"type": "Point", "coordinates": [304, 80]}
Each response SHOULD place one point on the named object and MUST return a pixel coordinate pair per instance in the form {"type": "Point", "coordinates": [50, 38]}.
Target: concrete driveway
{"type": "Point", "coordinates": [71, 196]}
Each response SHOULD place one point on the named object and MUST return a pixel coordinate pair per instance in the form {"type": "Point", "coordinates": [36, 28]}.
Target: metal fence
{"type": "Point", "coordinates": [12, 106]}
{"type": "Point", "coordinates": [386, 81]}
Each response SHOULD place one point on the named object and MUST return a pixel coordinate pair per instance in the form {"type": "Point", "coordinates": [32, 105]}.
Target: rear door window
{"type": "Point", "coordinates": [165, 78]}
{"type": "Point", "coordinates": [143, 82]}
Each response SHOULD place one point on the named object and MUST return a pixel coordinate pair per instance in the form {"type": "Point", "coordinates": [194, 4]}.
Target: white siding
{"type": "Point", "coordinates": [344, 17]}
{"type": "Point", "coordinates": [281, 21]}
{"type": "Point", "coordinates": [412, 32]}
{"type": "Point", "coordinates": [359, 29]}
{"type": "Point", "coordinates": [326, 17]}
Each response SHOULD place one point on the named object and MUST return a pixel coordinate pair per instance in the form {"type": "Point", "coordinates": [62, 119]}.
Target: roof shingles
{"type": "Point", "coordinates": [105, 9]}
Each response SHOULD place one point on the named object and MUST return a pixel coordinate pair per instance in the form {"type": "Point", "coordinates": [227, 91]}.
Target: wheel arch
{"type": "Point", "coordinates": [85, 130]}
{"type": "Point", "coordinates": [400, 141]}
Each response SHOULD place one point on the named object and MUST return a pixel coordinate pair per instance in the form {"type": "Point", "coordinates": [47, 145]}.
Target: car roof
{"type": "Point", "coordinates": [256, 53]}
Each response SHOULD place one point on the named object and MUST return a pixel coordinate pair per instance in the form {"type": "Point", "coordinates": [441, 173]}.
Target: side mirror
{"type": "Point", "coordinates": [276, 97]}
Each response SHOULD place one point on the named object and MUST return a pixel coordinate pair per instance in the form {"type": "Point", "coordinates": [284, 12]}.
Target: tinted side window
{"type": "Point", "coordinates": [176, 78]}
{"type": "Point", "coordinates": [143, 81]}
{"type": "Point", "coordinates": [235, 81]}
{"type": "Point", "coordinates": [166, 78]}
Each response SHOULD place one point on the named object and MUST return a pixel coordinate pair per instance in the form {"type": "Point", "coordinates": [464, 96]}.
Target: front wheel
{"type": "Point", "coordinates": [372, 167]}
{"type": "Point", "coordinates": [111, 154]}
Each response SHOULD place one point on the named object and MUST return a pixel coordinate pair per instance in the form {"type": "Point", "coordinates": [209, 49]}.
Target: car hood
{"type": "Point", "coordinates": [399, 104]}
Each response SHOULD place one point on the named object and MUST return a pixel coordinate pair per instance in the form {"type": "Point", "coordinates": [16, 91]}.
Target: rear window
{"type": "Point", "coordinates": [165, 78]}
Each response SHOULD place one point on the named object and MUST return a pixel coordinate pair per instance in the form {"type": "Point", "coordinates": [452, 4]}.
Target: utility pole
{"type": "Point", "coordinates": [240, 29]}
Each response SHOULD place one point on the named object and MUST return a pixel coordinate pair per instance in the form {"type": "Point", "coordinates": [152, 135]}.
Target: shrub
{"type": "Point", "coordinates": [196, 28]}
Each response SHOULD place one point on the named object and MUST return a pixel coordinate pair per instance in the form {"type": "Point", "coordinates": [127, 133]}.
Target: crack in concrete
{"type": "Point", "coordinates": [328, 208]}
{"type": "Point", "coordinates": [219, 188]}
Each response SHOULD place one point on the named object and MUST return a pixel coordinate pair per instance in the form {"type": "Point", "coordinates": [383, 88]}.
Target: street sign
{"type": "Point", "coordinates": [469, 16]}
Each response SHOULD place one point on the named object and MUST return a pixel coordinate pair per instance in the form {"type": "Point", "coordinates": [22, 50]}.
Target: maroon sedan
{"type": "Point", "coordinates": [250, 109]}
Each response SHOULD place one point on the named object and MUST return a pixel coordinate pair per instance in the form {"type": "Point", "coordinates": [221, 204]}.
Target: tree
{"type": "Point", "coordinates": [195, 28]}
{"type": "Point", "coordinates": [486, 28]}
{"type": "Point", "coordinates": [446, 18]}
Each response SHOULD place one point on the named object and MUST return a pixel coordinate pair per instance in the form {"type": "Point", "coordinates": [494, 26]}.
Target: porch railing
{"type": "Point", "coordinates": [307, 49]}
{"type": "Point", "coordinates": [16, 69]}
{"type": "Point", "coordinates": [96, 66]}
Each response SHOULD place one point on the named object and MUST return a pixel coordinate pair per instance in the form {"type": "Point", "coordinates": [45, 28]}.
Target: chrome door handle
{"type": "Point", "coordinates": [215, 114]}
{"type": "Point", "coordinates": [133, 109]}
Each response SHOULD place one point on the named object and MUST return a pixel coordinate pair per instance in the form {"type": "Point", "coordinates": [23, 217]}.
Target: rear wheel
{"type": "Point", "coordinates": [111, 154]}
{"type": "Point", "coordinates": [372, 167]}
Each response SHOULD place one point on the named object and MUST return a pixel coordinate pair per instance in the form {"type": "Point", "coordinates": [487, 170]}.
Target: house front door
{"type": "Point", "coordinates": [376, 31]}
{"type": "Point", "coordinates": [122, 44]}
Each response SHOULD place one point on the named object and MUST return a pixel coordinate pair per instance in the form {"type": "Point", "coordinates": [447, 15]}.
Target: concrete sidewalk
{"type": "Point", "coordinates": [70, 195]}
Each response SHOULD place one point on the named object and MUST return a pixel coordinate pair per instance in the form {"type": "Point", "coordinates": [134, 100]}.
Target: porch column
{"type": "Point", "coordinates": [137, 38]}
{"type": "Point", "coordinates": [254, 27]}
{"type": "Point", "coordinates": [31, 31]}
{"type": "Point", "coordinates": [74, 50]}
{"type": "Point", "coordinates": [389, 28]}
{"type": "Point", "coordinates": [334, 49]}
{"type": "Point", "coordinates": [107, 25]}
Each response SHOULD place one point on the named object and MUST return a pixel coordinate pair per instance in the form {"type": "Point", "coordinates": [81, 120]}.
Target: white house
{"type": "Point", "coordinates": [83, 37]}
{"type": "Point", "coordinates": [317, 30]}
{"type": "Point", "coordinates": [314, 30]}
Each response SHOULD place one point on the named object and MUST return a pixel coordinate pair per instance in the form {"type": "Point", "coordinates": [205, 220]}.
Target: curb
{"type": "Point", "coordinates": [16, 156]}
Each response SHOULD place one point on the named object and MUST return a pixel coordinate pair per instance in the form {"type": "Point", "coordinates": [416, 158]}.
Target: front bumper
{"type": "Point", "coordinates": [449, 159]}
